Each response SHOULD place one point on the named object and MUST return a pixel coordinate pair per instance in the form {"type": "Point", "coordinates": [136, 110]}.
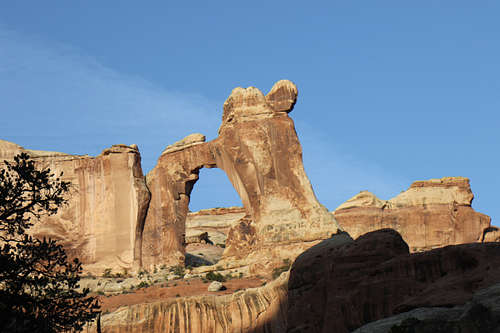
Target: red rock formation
{"type": "Point", "coordinates": [259, 150]}
{"type": "Point", "coordinates": [428, 215]}
{"type": "Point", "coordinates": [102, 223]}
{"type": "Point", "coordinates": [337, 286]}
{"type": "Point", "coordinates": [253, 310]}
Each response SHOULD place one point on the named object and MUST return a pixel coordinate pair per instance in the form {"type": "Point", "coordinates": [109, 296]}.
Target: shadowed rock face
{"type": "Point", "coordinates": [259, 150]}
{"type": "Point", "coordinates": [428, 215]}
{"type": "Point", "coordinates": [103, 220]}
{"type": "Point", "coordinates": [340, 286]}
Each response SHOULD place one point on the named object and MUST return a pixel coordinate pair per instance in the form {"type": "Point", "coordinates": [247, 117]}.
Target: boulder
{"type": "Point", "coordinates": [215, 286]}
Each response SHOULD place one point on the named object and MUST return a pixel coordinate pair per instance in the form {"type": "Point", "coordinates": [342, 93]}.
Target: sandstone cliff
{"type": "Point", "coordinates": [428, 215]}
{"type": "Point", "coordinates": [259, 150]}
{"type": "Point", "coordinates": [102, 223]}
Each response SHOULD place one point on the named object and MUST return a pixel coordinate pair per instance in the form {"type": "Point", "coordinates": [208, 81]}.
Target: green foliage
{"type": "Point", "coordinates": [142, 273]}
{"type": "Point", "coordinates": [178, 271]}
{"type": "Point", "coordinates": [107, 273]}
{"type": "Point", "coordinates": [213, 276]}
{"type": "Point", "coordinates": [142, 284]}
{"type": "Point", "coordinates": [286, 266]}
{"type": "Point", "coordinates": [37, 282]}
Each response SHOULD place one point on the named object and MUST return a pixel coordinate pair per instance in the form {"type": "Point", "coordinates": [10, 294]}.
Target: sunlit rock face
{"type": "Point", "coordinates": [430, 214]}
{"type": "Point", "coordinates": [103, 219]}
{"type": "Point", "coordinates": [259, 150]}
{"type": "Point", "coordinates": [253, 310]}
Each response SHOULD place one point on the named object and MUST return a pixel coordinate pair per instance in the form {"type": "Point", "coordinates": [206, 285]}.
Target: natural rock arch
{"type": "Point", "coordinates": [260, 153]}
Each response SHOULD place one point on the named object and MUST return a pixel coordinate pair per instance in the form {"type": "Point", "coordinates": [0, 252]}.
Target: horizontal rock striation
{"type": "Point", "coordinates": [428, 215]}
{"type": "Point", "coordinates": [256, 310]}
{"type": "Point", "coordinates": [102, 222]}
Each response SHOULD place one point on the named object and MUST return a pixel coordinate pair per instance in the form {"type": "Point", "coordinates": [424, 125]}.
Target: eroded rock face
{"type": "Point", "coordinates": [259, 150]}
{"type": "Point", "coordinates": [340, 285]}
{"type": "Point", "coordinates": [481, 314]}
{"type": "Point", "coordinates": [428, 215]}
{"type": "Point", "coordinates": [256, 310]}
{"type": "Point", "coordinates": [103, 221]}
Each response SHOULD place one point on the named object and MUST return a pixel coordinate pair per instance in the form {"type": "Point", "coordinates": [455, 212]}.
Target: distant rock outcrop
{"type": "Point", "coordinates": [341, 284]}
{"type": "Point", "coordinates": [103, 220]}
{"type": "Point", "coordinates": [430, 214]}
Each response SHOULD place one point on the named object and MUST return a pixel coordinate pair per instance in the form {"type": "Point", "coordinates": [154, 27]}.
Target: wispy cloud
{"type": "Point", "coordinates": [53, 97]}
{"type": "Point", "coordinates": [50, 94]}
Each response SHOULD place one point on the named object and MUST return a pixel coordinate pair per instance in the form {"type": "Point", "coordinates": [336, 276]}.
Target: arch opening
{"type": "Point", "coordinates": [214, 206]}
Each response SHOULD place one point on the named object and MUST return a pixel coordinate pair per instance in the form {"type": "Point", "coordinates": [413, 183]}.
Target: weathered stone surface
{"type": "Point", "coordinates": [259, 150]}
{"type": "Point", "coordinates": [481, 314]}
{"type": "Point", "coordinates": [189, 141]}
{"type": "Point", "coordinates": [256, 310]}
{"type": "Point", "coordinates": [338, 286]}
{"type": "Point", "coordinates": [215, 286]}
{"type": "Point", "coordinates": [102, 223]}
{"type": "Point", "coordinates": [215, 221]}
{"type": "Point", "coordinates": [428, 215]}
{"type": "Point", "coordinates": [170, 183]}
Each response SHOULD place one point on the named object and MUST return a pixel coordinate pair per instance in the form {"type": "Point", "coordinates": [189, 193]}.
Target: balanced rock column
{"type": "Point", "coordinates": [259, 150]}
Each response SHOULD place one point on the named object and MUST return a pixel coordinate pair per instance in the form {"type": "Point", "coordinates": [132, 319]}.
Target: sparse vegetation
{"type": "Point", "coordinates": [178, 271]}
{"type": "Point", "coordinates": [107, 273]}
{"type": "Point", "coordinates": [142, 284]}
{"type": "Point", "coordinates": [278, 270]}
{"type": "Point", "coordinates": [213, 276]}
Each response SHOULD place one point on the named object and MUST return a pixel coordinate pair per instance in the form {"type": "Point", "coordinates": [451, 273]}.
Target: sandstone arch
{"type": "Point", "coordinates": [259, 151]}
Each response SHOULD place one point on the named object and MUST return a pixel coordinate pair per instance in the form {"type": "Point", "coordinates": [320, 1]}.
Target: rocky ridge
{"type": "Point", "coordinates": [430, 214]}
{"type": "Point", "coordinates": [118, 219]}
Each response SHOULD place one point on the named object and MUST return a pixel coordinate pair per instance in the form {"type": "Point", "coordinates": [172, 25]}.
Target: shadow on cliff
{"type": "Point", "coordinates": [341, 284]}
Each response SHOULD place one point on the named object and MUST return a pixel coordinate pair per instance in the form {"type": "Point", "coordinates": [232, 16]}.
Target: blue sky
{"type": "Point", "coordinates": [389, 91]}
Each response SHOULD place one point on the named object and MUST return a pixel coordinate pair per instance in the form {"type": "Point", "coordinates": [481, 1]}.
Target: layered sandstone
{"type": "Point", "coordinates": [216, 222]}
{"type": "Point", "coordinates": [341, 284]}
{"type": "Point", "coordinates": [428, 215]}
{"type": "Point", "coordinates": [259, 150]}
{"type": "Point", "coordinates": [255, 310]}
{"type": "Point", "coordinates": [103, 220]}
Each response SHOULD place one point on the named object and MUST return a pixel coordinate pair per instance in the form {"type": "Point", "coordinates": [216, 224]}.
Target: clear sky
{"type": "Point", "coordinates": [389, 91]}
